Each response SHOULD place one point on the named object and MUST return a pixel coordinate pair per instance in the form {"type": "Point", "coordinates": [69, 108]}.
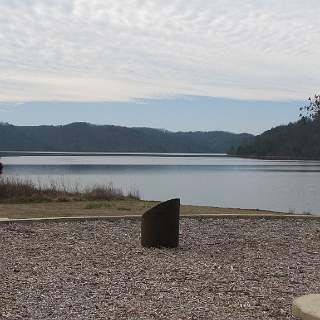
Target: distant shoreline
{"type": "Point", "coordinates": [111, 154]}
{"type": "Point", "coordinates": [276, 157]}
{"type": "Point", "coordinates": [151, 154]}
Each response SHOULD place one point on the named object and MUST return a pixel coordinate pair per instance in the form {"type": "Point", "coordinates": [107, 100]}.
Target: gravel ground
{"type": "Point", "coordinates": [224, 269]}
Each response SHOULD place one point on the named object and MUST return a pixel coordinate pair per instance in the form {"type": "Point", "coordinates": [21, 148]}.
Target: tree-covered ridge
{"type": "Point", "coordinates": [297, 140]}
{"type": "Point", "coordinates": [85, 137]}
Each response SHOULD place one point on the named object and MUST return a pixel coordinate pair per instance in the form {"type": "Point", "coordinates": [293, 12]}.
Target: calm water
{"type": "Point", "coordinates": [214, 181]}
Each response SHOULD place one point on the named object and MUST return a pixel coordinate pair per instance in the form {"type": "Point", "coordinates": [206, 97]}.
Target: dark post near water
{"type": "Point", "coordinates": [160, 225]}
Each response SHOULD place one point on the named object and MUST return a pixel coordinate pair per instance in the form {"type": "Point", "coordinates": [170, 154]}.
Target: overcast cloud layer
{"type": "Point", "coordinates": [122, 49]}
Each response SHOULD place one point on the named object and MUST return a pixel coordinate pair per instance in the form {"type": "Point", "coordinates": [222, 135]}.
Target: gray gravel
{"type": "Point", "coordinates": [224, 269]}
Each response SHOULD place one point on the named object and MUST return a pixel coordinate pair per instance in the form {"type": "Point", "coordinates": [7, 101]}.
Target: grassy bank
{"type": "Point", "coordinates": [13, 190]}
{"type": "Point", "coordinates": [26, 199]}
{"type": "Point", "coordinates": [118, 207]}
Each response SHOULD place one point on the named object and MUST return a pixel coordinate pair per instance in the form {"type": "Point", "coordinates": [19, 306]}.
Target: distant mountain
{"type": "Point", "coordinates": [85, 137]}
{"type": "Point", "coordinates": [298, 140]}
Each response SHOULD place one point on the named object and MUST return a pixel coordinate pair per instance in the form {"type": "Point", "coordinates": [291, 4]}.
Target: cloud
{"type": "Point", "coordinates": [125, 49]}
{"type": "Point", "coordinates": [8, 106]}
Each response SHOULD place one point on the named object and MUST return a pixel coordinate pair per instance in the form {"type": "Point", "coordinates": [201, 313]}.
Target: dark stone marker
{"type": "Point", "coordinates": [160, 225]}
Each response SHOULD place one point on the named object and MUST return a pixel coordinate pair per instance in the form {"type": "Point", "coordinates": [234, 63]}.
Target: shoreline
{"type": "Point", "coordinates": [112, 154]}
{"type": "Point", "coordinates": [123, 208]}
{"type": "Point", "coordinates": [288, 158]}
{"type": "Point", "coordinates": [153, 154]}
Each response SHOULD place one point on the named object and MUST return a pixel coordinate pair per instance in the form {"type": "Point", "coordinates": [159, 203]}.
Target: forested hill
{"type": "Point", "coordinates": [85, 137]}
{"type": "Point", "coordinates": [299, 140]}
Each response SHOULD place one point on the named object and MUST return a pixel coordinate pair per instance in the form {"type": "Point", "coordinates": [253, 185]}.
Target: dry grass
{"type": "Point", "coordinates": [25, 199]}
{"type": "Point", "coordinates": [119, 207]}
{"type": "Point", "coordinates": [14, 190]}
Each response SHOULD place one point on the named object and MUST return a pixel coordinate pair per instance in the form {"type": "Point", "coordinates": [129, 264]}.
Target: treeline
{"type": "Point", "coordinates": [85, 137]}
{"type": "Point", "coordinates": [299, 140]}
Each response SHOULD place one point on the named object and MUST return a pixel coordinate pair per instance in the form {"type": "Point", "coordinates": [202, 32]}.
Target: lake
{"type": "Point", "coordinates": [212, 180]}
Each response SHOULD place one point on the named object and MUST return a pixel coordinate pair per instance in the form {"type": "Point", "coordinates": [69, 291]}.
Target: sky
{"type": "Point", "coordinates": [181, 65]}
